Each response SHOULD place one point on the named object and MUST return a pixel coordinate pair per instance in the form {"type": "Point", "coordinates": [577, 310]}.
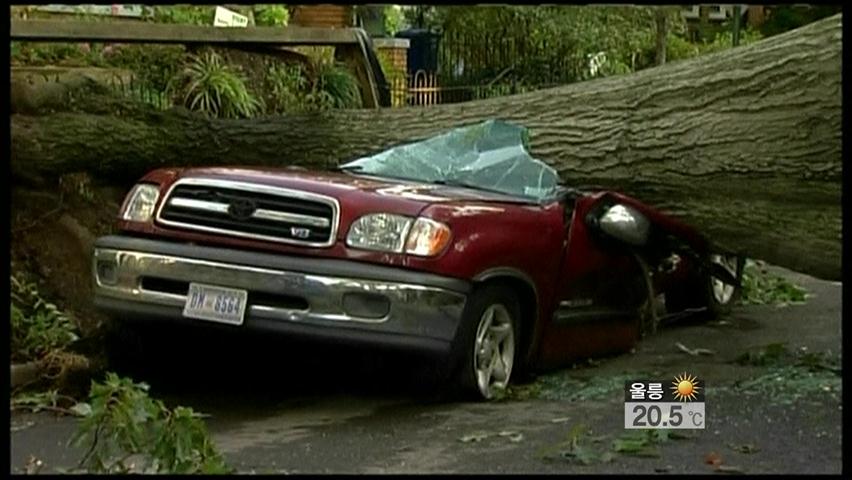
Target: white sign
{"type": "Point", "coordinates": [227, 18]}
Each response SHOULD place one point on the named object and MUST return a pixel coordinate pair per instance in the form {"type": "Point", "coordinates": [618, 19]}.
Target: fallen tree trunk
{"type": "Point", "coordinates": [743, 144]}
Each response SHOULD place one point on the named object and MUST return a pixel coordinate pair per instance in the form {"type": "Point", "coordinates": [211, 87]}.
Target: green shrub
{"type": "Point", "coordinates": [393, 19]}
{"type": "Point", "coordinates": [678, 48]}
{"type": "Point", "coordinates": [37, 327]}
{"type": "Point", "coordinates": [336, 87]}
{"type": "Point", "coordinates": [121, 421]}
{"type": "Point", "coordinates": [184, 14]}
{"type": "Point", "coordinates": [724, 40]}
{"type": "Point", "coordinates": [286, 87]}
{"type": "Point", "coordinates": [271, 15]}
{"type": "Point", "coordinates": [152, 65]}
{"type": "Point", "coordinates": [53, 53]}
{"type": "Point", "coordinates": [209, 86]}
{"type": "Point", "coordinates": [290, 90]}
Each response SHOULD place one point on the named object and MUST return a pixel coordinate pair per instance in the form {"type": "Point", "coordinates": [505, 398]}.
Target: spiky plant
{"type": "Point", "coordinates": [209, 86]}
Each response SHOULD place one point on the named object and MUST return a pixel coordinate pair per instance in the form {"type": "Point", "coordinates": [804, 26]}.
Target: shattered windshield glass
{"type": "Point", "coordinates": [489, 156]}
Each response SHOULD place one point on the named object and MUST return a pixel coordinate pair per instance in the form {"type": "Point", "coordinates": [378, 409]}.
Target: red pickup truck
{"type": "Point", "coordinates": [462, 246]}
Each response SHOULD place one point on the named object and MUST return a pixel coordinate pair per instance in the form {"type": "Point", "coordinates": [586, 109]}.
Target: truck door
{"type": "Point", "coordinates": [597, 298]}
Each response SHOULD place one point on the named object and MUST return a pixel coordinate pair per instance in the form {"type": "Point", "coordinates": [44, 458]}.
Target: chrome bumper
{"type": "Point", "coordinates": [332, 302]}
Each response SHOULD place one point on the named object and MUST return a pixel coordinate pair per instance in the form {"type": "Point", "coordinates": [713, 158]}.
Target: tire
{"type": "Point", "coordinates": [705, 291]}
{"type": "Point", "coordinates": [486, 366]}
{"type": "Point", "coordinates": [641, 298]}
{"type": "Point", "coordinates": [722, 305]}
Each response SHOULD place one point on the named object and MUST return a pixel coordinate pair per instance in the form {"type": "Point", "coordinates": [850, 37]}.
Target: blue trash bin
{"type": "Point", "coordinates": [422, 49]}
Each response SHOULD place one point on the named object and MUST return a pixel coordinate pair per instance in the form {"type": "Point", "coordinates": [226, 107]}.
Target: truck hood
{"type": "Point", "coordinates": [403, 196]}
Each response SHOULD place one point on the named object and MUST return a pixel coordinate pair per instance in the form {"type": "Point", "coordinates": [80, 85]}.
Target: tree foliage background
{"type": "Point", "coordinates": [488, 50]}
{"type": "Point", "coordinates": [557, 44]}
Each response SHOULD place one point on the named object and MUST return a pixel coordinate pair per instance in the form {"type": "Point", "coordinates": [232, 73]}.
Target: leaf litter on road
{"type": "Point", "coordinates": [728, 469]}
{"type": "Point", "coordinates": [718, 463]}
{"type": "Point", "coordinates": [512, 435]}
{"type": "Point", "coordinates": [747, 448]}
{"type": "Point", "coordinates": [474, 437]}
{"type": "Point", "coordinates": [635, 445]}
{"type": "Point", "coordinates": [578, 446]}
{"type": "Point", "coordinates": [713, 458]}
{"type": "Point", "coordinates": [34, 465]}
{"type": "Point", "coordinates": [21, 426]}
{"type": "Point", "coordinates": [644, 443]}
{"type": "Point", "coordinates": [694, 351]}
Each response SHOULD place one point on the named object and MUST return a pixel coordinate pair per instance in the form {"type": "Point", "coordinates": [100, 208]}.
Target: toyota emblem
{"type": "Point", "coordinates": [242, 209]}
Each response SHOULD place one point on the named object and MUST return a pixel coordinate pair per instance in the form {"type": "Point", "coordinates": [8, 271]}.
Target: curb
{"type": "Point", "coordinates": [23, 373]}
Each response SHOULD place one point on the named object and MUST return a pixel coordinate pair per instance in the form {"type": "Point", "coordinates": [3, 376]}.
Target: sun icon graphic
{"type": "Point", "coordinates": [685, 387]}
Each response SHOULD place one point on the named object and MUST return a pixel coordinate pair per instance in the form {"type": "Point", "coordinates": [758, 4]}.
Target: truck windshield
{"type": "Point", "coordinates": [489, 156]}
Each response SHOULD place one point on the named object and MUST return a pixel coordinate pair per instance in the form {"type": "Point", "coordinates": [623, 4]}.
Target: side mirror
{"type": "Point", "coordinates": [626, 224]}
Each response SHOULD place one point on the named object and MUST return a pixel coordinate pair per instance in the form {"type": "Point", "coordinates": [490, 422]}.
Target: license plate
{"type": "Point", "coordinates": [216, 304]}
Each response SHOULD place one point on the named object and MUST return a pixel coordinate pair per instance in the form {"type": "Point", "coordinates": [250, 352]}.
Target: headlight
{"type": "Point", "coordinates": [427, 238]}
{"type": "Point", "coordinates": [139, 206]}
{"type": "Point", "coordinates": [379, 231]}
{"type": "Point", "coordinates": [387, 232]}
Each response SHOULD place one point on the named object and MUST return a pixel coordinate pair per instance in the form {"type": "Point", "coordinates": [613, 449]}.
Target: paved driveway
{"type": "Point", "coordinates": [332, 411]}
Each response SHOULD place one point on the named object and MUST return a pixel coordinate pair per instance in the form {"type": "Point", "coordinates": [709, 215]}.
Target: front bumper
{"type": "Point", "coordinates": [328, 299]}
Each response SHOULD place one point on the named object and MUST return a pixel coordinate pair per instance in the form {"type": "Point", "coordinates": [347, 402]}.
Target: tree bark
{"type": "Point", "coordinates": [743, 144]}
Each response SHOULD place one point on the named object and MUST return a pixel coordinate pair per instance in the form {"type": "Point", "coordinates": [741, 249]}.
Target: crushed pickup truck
{"type": "Point", "coordinates": [462, 246]}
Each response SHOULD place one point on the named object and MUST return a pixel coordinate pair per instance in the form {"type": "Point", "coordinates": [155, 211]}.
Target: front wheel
{"type": "Point", "coordinates": [722, 294]}
{"type": "Point", "coordinates": [489, 338]}
{"type": "Point", "coordinates": [708, 291]}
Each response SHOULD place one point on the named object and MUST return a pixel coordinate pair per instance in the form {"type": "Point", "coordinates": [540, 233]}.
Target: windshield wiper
{"type": "Point", "coordinates": [359, 170]}
{"type": "Point", "coordinates": [454, 183]}
{"type": "Point", "coordinates": [350, 168]}
{"type": "Point", "coordinates": [458, 183]}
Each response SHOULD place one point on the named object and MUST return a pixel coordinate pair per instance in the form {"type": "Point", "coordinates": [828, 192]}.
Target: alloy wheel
{"type": "Point", "coordinates": [494, 350]}
{"type": "Point", "coordinates": [724, 292]}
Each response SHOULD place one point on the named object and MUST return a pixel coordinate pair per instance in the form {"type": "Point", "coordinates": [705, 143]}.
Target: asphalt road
{"type": "Point", "coordinates": [281, 409]}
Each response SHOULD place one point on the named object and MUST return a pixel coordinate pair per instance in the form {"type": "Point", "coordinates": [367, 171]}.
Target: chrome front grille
{"type": "Point", "coordinates": [251, 210]}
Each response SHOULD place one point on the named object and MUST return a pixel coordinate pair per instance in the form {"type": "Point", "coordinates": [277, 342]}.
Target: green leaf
{"type": "Point", "coordinates": [628, 445]}
{"type": "Point", "coordinates": [640, 444]}
{"type": "Point", "coordinates": [129, 422]}
{"type": "Point", "coordinates": [584, 455]}
{"type": "Point", "coordinates": [82, 409]}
